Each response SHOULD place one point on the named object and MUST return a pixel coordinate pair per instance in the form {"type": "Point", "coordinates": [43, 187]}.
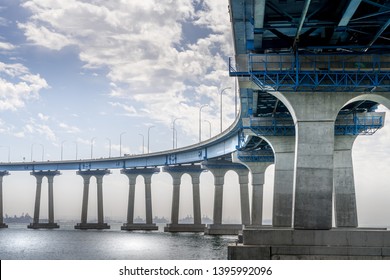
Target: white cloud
{"type": "Point", "coordinates": [68, 128]}
{"type": "Point", "coordinates": [6, 46]}
{"type": "Point", "coordinates": [3, 21]}
{"type": "Point", "coordinates": [18, 85]}
{"type": "Point", "coordinates": [43, 117]}
{"type": "Point", "coordinates": [143, 46]}
{"type": "Point", "coordinates": [44, 37]}
{"type": "Point", "coordinates": [33, 127]}
{"type": "Point", "coordinates": [130, 110]}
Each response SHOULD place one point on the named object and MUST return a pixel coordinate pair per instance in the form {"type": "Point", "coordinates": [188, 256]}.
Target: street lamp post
{"type": "Point", "coordinates": [149, 136]}
{"type": "Point", "coordinates": [32, 149]}
{"type": "Point", "coordinates": [92, 140]}
{"type": "Point", "coordinates": [62, 149]}
{"type": "Point", "coordinates": [221, 104]}
{"type": "Point", "coordinates": [109, 146]}
{"type": "Point", "coordinates": [43, 150]}
{"type": "Point", "coordinates": [120, 143]}
{"type": "Point", "coordinates": [143, 142]}
{"type": "Point", "coordinates": [9, 152]}
{"type": "Point", "coordinates": [173, 133]}
{"type": "Point", "coordinates": [75, 142]}
{"type": "Point", "coordinates": [200, 121]}
{"type": "Point", "coordinates": [209, 127]}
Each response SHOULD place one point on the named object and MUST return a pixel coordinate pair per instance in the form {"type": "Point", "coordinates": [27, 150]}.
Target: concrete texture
{"type": "Point", "coordinates": [132, 175]}
{"type": "Point", "coordinates": [271, 243]}
{"type": "Point", "coordinates": [284, 150]}
{"type": "Point", "coordinates": [2, 174]}
{"type": "Point", "coordinates": [86, 175]}
{"type": "Point", "coordinates": [223, 229]}
{"type": "Point", "coordinates": [50, 178]}
{"type": "Point", "coordinates": [184, 228]}
{"type": "Point", "coordinates": [334, 237]}
{"type": "Point", "coordinates": [344, 184]}
{"type": "Point", "coordinates": [250, 252]}
{"type": "Point", "coordinates": [314, 175]}
{"type": "Point", "coordinates": [177, 172]}
{"type": "Point", "coordinates": [43, 225]}
{"type": "Point", "coordinates": [138, 226]}
{"type": "Point", "coordinates": [257, 170]}
{"type": "Point", "coordinates": [92, 226]}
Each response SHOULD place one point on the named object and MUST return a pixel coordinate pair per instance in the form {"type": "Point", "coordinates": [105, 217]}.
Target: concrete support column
{"type": "Point", "coordinates": [257, 170]}
{"type": "Point", "coordinates": [177, 172]}
{"type": "Point", "coordinates": [284, 151]}
{"type": "Point", "coordinates": [219, 168]}
{"type": "Point", "coordinates": [2, 174]}
{"type": "Point", "coordinates": [314, 174]}
{"type": "Point", "coordinates": [257, 197]}
{"type": "Point", "coordinates": [314, 117]}
{"type": "Point", "coordinates": [148, 198]}
{"type": "Point", "coordinates": [175, 197]}
{"type": "Point", "coordinates": [99, 180]}
{"type": "Point", "coordinates": [131, 200]}
{"type": "Point", "coordinates": [343, 182]}
{"type": "Point", "coordinates": [195, 177]}
{"type": "Point", "coordinates": [50, 180]}
{"type": "Point", "coordinates": [219, 179]}
{"type": "Point", "coordinates": [132, 174]}
{"type": "Point", "coordinates": [84, 207]}
{"type": "Point", "coordinates": [244, 195]}
{"type": "Point", "coordinates": [37, 199]}
{"type": "Point", "coordinates": [86, 175]}
{"type": "Point", "coordinates": [39, 175]}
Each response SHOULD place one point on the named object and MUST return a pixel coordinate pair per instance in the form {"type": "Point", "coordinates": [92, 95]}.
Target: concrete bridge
{"type": "Point", "coordinates": [311, 74]}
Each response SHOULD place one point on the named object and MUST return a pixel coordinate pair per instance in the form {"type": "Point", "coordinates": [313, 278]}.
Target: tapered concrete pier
{"type": "Point", "coordinates": [257, 170]}
{"type": "Point", "coordinates": [219, 169]}
{"type": "Point", "coordinates": [132, 174]}
{"type": "Point", "coordinates": [86, 175]}
{"type": "Point", "coordinates": [39, 175]}
{"type": "Point", "coordinates": [177, 172]}
{"type": "Point", "coordinates": [344, 183]}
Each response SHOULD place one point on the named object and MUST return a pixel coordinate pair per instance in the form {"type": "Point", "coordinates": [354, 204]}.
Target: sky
{"type": "Point", "coordinates": [78, 72]}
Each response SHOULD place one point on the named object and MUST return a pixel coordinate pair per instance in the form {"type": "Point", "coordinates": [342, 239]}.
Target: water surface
{"type": "Point", "coordinates": [19, 243]}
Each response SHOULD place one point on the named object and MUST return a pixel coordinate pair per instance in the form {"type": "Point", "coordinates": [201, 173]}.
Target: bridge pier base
{"type": "Point", "coordinates": [177, 172]}
{"type": "Point", "coordinates": [2, 174]}
{"type": "Point", "coordinates": [219, 169]}
{"type": "Point", "coordinates": [87, 174]}
{"type": "Point", "coordinates": [50, 178]}
{"type": "Point", "coordinates": [132, 174]}
{"type": "Point", "coordinates": [291, 244]}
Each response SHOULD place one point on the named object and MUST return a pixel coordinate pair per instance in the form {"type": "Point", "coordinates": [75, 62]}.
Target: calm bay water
{"type": "Point", "coordinates": [19, 243]}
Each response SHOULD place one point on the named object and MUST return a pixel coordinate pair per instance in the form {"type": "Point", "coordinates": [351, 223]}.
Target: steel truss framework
{"type": "Point", "coordinates": [366, 125]}
{"type": "Point", "coordinates": [343, 73]}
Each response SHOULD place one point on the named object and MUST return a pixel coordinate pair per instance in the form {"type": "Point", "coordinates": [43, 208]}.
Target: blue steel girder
{"type": "Point", "coordinates": [344, 125]}
{"type": "Point", "coordinates": [274, 26]}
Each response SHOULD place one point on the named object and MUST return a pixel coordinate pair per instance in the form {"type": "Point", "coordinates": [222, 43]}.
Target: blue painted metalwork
{"type": "Point", "coordinates": [287, 72]}
{"type": "Point", "coordinates": [256, 156]}
{"type": "Point", "coordinates": [275, 26]}
{"type": "Point", "coordinates": [216, 147]}
{"type": "Point", "coordinates": [267, 127]}
{"type": "Point", "coordinates": [344, 125]}
{"type": "Point", "coordinates": [358, 125]}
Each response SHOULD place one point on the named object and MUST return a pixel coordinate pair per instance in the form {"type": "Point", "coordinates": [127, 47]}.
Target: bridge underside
{"type": "Point", "coordinates": [314, 72]}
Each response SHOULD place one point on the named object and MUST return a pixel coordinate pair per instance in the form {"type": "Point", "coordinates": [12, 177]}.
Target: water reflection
{"type": "Point", "coordinates": [18, 242]}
